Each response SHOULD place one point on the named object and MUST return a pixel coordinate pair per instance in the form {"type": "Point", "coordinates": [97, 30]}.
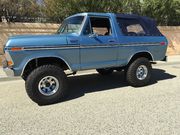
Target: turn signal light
{"type": "Point", "coordinates": [16, 48]}
{"type": "Point", "coordinates": [10, 63]}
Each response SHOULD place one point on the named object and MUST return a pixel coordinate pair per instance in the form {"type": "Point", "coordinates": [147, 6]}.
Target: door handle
{"type": "Point", "coordinates": [111, 41]}
{"type": "Point", "coordinates": [73, 40]}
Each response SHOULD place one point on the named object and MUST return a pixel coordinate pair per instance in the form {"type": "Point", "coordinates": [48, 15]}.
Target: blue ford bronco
{"type": "Point", "coordinates": [106, 42]}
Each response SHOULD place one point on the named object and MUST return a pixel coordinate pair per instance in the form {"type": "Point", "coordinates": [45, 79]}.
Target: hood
{"type": "Point", "coordinates": [36, 40]}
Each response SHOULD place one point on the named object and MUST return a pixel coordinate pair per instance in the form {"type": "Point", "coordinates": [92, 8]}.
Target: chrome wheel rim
{"type": "Point", "coordinates": [141, 72]}
{"type": "Point", "coordinates": [48, 85]}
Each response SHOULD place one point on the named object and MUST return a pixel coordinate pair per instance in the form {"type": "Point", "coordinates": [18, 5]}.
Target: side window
{"type": "Point", "coordinates": [135, 28]}
{"type": "Point", "coordinates": [131, 27]}
{"type": "Point", "coordinates": [100, 26]}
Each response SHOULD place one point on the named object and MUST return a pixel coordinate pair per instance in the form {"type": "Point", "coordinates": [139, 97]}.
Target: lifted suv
{"type": "Point", "coordinates": [106, 42]}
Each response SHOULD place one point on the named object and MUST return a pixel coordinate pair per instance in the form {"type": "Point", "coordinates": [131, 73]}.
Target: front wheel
{"type": "Point", "coordinates": [46, 84]}
{"type": "Point", "coordinates": [139, 72]}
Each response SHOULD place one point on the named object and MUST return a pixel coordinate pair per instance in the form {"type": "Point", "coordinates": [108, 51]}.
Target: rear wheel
{"type": "Point", "coordinates": [46, 85]}
{"type": "Point", "coordinates": [105, 71]}
{"type": "Point", "coordinates": [139, 72]}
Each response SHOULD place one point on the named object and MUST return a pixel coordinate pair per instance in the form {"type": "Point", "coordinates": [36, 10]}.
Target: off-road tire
{"type": "Point", "coordinates": [131, 72]}
{"type": "Point", "coordinates": [105, 71]}
{"type": "Point", "coordinates": [34, 78]}
{"type": "Point", "coordinates": [25, 75]}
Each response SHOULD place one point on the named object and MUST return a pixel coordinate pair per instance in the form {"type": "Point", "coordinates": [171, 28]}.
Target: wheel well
{"type": "Point", "coordinates": [34, 63]}
{"type": "Point", "coordinates": [141, 54]}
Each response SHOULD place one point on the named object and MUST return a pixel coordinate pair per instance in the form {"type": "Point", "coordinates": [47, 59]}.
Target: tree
{"type": "Point", "coordinates": [166, 12]}
{"type": "Point", "coordinates": [12, 10]}
{"type": "Point", "coordinates": [59, 9]}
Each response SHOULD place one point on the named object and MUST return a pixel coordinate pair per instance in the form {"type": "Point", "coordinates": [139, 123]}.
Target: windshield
{"type": "Point", "coordinates": [71, 25]}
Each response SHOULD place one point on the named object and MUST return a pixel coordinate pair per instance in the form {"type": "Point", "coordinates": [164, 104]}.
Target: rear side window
{"type": "Point", "coordinates": [135, 28]}
{"type": "Point", "coordinates": [131, 27]}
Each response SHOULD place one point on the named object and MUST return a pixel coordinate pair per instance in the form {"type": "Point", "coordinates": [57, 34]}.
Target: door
{"type": "Point", "coordinates": [98, 44]}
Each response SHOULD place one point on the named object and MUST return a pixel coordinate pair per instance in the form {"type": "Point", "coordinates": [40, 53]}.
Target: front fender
{"type": "Point", "coordinates": [21, 59]}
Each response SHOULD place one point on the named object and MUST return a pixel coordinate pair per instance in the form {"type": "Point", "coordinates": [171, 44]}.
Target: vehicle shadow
{"type": "Point", "coordinates": [80, 85]}
{"type": "Point", "coordinates": [160, 75]}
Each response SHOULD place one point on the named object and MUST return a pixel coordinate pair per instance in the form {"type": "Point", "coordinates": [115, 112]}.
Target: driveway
{"type": "Point", "coordinates": [97, 105]}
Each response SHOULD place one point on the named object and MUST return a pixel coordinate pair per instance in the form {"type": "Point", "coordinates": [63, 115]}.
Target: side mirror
{"type": "Point", "coordinates": [93, 35]}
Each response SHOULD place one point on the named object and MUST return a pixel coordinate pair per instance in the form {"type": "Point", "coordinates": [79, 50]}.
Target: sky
{"type": "Point", "coordinates": [39, 1]}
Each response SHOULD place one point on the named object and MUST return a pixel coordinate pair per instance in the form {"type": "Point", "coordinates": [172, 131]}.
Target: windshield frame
{"type": "Point", "coordinates": [81, 26]}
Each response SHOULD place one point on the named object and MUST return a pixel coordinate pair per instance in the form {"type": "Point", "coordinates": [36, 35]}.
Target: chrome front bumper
{"type": "Point", "coordinates": [9, 72]}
